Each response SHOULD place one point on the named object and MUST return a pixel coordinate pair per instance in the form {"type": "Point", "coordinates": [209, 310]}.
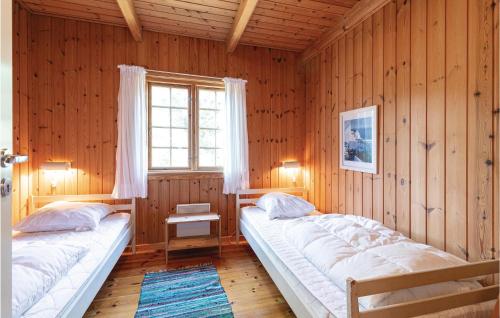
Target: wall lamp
{"type": "Point", "coordinates": [55, 170]}
{"type": "Point", "coordinates": [292, 168]}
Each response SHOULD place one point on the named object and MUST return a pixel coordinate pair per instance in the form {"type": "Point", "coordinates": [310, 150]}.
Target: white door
{"type": "Point", "coordinates": [5, 142]}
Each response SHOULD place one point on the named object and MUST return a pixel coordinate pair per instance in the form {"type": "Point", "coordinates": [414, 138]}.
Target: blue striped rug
{"type": "Point", "coordinates": [190, 292]}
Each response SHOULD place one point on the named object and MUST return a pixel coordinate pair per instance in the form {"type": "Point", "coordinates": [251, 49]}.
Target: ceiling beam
{"type": "Point", "coordinates": [134, 25]}
{"type": "Point", "coordinates": [240, 22]}
{"type": "Point", "coordinates": [359, 12]}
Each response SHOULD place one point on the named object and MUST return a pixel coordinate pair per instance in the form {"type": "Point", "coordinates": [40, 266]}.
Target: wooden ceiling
{"type": "Point", "coordinates": [286, 24]}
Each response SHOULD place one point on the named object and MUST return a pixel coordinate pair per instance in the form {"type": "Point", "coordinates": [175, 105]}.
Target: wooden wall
{"type": "Point", "coordinates": [432, 69]}
{"type": "Point", "coordinates": [65, 109]}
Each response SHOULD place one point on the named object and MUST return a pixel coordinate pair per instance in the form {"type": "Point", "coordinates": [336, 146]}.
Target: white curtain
{"type": "Point", "coordinates": [131, 179]}
{"type": "Point", "coordinates": [236, 171]}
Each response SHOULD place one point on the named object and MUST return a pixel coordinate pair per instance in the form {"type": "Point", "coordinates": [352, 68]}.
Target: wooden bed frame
{"type": "Point", "coordinates": [242, 198]}
{"type": "Point", "coordinates": [35, 201]}
{"type": "Point", "coordinates": [365, 287]}
{"type": "Point", "coordinates": [78, 305]}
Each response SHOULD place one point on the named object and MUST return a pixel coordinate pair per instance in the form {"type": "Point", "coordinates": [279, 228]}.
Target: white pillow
{"type": "Point", "coordinates": [37, 267]}
{"type": "Point", "coordinates": [283, 205]}
{"type": "Point", "coordinates": [62, 215]}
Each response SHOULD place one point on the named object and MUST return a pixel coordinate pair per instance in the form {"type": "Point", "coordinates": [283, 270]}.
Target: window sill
{"type": "Point", "coordinates": [184, 174]}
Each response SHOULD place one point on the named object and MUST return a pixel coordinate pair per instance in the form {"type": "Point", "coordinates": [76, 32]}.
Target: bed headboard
{"type": "Point", "coordinates": [242, 198]}
{"type": "Point", "coordinates": [35, 200]}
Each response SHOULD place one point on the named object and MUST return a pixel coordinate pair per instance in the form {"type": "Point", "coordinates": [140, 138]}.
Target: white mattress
{"type": "Point", "coordinates": [323, 297]}
{"type": "Point", "coordinates": [314, 288]}
{"type": "Point", "coordinates": [100, 242]}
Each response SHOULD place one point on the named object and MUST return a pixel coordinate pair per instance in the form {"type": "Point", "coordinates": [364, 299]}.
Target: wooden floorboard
{"type": "Point", "coordinates": [249, 288]}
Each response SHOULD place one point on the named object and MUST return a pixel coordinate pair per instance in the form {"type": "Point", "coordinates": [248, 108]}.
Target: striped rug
{"type": "Point", "coordinates": [190, 292]}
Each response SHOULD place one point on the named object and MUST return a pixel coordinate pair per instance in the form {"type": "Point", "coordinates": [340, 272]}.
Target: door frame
{"type": "Point", "coordinates": [6, 92]}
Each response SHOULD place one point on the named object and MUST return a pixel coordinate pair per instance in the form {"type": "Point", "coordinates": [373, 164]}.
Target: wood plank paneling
{"type": "Point", "coordinates": [480, 124]}
{"type": "Point", "coordinates": [317, 128]}
{"type": "Point", "coordinates": [403, 158]}
{"type": "Point", "coordinates": [328, 130]}
{"type": "Point", "coordinates": [43, 124]}
{"type": "Point", "coordinates": [322, 129]}
{"type": "Point", "coordinates": [357, 103]}
{"type": "Point", "coordinates": [367, 72]}
{"type": "Point", "coordinates": [418, 129]}
{"type": "Point", "coordinates": [378, 99]}
{"type": "Point", "coordinates": [21, 117]}
{"type": "Point", "coordinates": [334, 91]}
{"type": "Point", "coordinates": [342, 107]}
{"type": "Point", "coordinates": [349, 104]}
{"type": "Point", "coordinates": [16, 122]}
{"type": "Point", "coordinates": [434, 78]}
{"type": "Point", "coordinates": [456, 120]}
{"type": "Point", "coordinates": [496, 132]}
{"type": "Point", "coordinates": [71, 105]}
{"type": "Point", "coordinates": [435, 122]}
{"type": "Point", "coordinates": [389, 128]}
{"type": "Point", "coordinates": [82, 124]}
{"type": "Point", "coordinates": [73, 82]}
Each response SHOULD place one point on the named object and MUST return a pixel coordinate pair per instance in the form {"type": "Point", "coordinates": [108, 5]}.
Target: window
{"type": "Point", "coordinates": [211, 136]}
{"type": "Point", "coordinates": [186, 126]}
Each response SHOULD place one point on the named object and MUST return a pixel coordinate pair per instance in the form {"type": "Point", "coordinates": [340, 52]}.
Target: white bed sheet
{"type": "Point", "coordinates": [99, 241]}
{"type": "Point", "coordinates": [326, 296]}
{"type": "Point", "coordinates": [327, 300]}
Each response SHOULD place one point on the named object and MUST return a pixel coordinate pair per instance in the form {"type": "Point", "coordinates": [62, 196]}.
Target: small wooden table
{"type": "Point", "coordinates": [185, 243]}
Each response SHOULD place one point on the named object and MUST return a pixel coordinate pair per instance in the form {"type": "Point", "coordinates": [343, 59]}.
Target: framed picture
{"type": "Point", "coordinates": [358, 139]}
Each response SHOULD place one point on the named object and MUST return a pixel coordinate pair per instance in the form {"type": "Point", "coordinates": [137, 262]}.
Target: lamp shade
{"type": "Point", "coordinates": [56, 165]}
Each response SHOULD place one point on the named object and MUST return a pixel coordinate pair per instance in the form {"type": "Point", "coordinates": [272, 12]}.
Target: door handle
{"type": "Point", "coordinates": [9, 159]}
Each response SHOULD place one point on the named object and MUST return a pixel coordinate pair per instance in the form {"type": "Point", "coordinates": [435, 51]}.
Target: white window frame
{"type": "Point", "coordinates": [193, 83]}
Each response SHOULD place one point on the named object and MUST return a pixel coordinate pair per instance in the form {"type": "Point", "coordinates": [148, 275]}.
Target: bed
{"type": "Point", "coordinates": [310, 293]}
{"type": "Point", "coordinates": [75, 291]}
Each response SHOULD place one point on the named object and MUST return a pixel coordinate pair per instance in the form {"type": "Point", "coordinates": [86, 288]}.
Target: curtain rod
{"type": "Point", "coordinates": [175, 74]}
{"type": "Point", "coordinates": [185, 75]}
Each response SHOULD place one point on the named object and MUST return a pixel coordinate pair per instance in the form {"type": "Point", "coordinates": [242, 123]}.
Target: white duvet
{"type": "Point", "coordinates": [36, 268]}
{"type": "Point", "coordinates": [343, 246]}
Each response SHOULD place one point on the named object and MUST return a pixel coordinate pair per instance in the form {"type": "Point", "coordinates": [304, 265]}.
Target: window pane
{"type": "Point", "coordinates": [160, 95]}
{"type": "Point", "coordinates": [180, 138]}
{"type": "Point", "coordinates": [207, 138]}
{"type": "Point", "coordinates": [220, 139]}
{"type": "Point", "coordinates": [160, 117]}
{"type": "Point", "coordinates": [207, 119]}
{"type": "Point", "coordinates": [207, 157]}
{"type": "Point", "coordinates": [180, 97]}
{"type": "Point", "coordinates": [219, 157]}
{"type": "Point", "coordinates": [221, 99]}
{"type": "Point", "coordinates": [180, 118]}
{"type": "Point", "coordinates": [180, 158]}
{"type": "Point", "coordinates": [160, 158]}
{"type": "Point", "coordinates": [206, 98]}
{"type": "Point", "coordinates": [210, 116]}
{"type": "Point", "coordinates": [160, 137]}
{"type": "Point", "coordinates": [170, 107]}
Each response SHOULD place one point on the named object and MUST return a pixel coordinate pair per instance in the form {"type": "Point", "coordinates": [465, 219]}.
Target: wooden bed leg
{"type": "Point", "coordinates": [220, 238]}
{"type": "Point", "coordinates": [352, 299]}
{"type": "Point", "coordinates": [166, 241]}
{"type": "Point", "coordinates": [238, 207]}
{"type": "Point", "coordinates": [133, 215]}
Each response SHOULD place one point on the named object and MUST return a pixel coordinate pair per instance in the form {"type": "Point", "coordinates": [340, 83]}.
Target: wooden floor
{"type": "Point", "coordinates": [247, 284]}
